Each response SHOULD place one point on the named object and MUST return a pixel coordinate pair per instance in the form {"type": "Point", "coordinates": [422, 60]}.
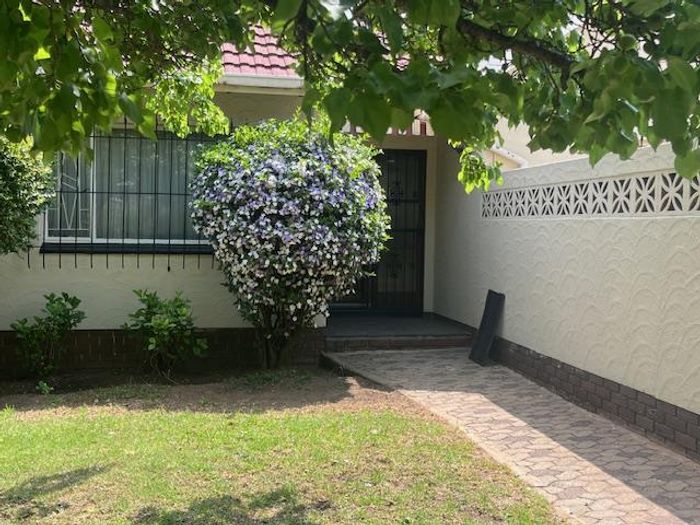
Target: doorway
{"type": "Point", "coordinates": [396, 288]}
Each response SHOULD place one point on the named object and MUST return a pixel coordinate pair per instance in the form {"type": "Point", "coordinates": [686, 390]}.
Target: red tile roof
{"type": "Point", "coordinates": [266, 58]}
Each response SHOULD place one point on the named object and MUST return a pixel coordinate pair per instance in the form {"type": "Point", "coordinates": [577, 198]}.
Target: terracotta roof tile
{"type": "Point", "coordinates": [266, 58]}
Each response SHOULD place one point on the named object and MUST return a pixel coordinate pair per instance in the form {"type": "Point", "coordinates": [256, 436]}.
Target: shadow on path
{"type": "Point", "coordinates": [587, 465]}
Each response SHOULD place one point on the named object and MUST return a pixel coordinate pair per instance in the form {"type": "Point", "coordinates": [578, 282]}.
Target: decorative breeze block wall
{"type": "Point", "coordinates": [664, 193]}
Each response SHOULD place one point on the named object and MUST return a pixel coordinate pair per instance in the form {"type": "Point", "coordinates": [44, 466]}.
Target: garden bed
{"type": "Point", "coordinates": [292, 447]}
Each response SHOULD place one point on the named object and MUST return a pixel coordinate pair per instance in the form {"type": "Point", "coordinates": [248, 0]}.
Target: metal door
{"type": "Point", "coordinates": [397, 286]}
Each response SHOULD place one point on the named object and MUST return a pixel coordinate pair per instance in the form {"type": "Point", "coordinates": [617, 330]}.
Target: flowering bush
{"type": "Point", "coordinates": [294, 219]}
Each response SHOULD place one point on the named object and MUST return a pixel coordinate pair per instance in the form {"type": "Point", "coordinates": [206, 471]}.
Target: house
{"type": "Point", "coordinates": [599, 265]}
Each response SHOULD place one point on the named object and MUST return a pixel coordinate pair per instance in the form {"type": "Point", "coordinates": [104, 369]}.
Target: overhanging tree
{"type": "Point", "coordinates": [70, 67]}
{"type": "Point", "coordinates": [591, 75]}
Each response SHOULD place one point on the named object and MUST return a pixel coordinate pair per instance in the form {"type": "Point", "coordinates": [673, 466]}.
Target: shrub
{"type": "Point", "coordinates": [41, 341]}
{"type": "Point", "coordinates": [26, 186]}
{"type": "Point", "coordinates": [167, 327]}
{"type": "Point", "coordinates": [44, 388]}
{"type": "Point", "coordinates": [294, 219]}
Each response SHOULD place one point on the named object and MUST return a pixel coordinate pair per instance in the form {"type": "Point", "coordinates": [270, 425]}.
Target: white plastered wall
{"type": "Point", "coordinates": [617, 296]}
{"type": "Point", "coordinates": [105, 287]}
{"type": "Point", "coordinates": [516, 140]}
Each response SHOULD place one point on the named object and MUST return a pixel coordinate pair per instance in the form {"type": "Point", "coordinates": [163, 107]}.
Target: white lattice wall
{"type": "Point", "coordinates": [600, 266]}
{"type": "Point", "coordinates": [661, 193]}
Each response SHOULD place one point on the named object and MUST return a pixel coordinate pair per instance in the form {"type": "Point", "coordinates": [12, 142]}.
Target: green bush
{"type": "Point", "coordinates": [26, 186]}
{"type": "Point", "coordinates": [168, 330]}
{"type": "Point", "coordinates": [42, 340]}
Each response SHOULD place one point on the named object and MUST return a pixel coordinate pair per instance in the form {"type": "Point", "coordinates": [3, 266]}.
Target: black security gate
{"type": "Point", "coordinates": [397, 286]}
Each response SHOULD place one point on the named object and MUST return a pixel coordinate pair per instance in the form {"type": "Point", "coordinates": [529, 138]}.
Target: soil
{"type": "Point", "coordinates": [314, 389]}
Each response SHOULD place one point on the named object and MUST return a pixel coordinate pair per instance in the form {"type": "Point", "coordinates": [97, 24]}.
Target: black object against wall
{"type": "Point", "coordinates": [493, 310]}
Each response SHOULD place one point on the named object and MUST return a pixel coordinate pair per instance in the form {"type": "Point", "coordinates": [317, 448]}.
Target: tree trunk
{"type": "Point", "coordinates": [275, 335]}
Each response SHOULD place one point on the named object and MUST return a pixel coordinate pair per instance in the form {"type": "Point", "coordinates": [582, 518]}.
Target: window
{"type": "Point", "coordinates": [132, 197]}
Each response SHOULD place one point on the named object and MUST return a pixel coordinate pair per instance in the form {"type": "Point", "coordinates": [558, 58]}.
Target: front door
{"type": "Point", "coordinates": [397, 286]}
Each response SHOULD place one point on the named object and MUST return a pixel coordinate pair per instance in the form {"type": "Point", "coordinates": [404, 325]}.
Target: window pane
{"type": "Point", "coordinates": [69, 214]}
{"type": "Point", "coordinates": [142, 187]}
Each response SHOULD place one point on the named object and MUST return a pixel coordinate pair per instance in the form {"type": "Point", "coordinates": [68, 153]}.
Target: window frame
{"type": "Point", "coordinates": [124, 245]}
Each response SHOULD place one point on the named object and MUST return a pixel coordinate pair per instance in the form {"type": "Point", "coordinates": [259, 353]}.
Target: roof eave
{"type": "Point", "coordinates": [291, 85]}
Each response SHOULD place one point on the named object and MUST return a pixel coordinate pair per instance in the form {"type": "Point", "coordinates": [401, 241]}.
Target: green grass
{"type": "Point", "coordinates": [107, 464]}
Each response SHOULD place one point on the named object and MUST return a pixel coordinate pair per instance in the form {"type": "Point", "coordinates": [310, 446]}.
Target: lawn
{"type": "Point", "coordinates": [295, 448]}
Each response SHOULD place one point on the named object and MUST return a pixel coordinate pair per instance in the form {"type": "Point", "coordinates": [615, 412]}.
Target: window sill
{"type": "Point", "coordinates": [117, 247]}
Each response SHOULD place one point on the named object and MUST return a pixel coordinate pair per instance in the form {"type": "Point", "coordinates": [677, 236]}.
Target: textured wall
{"type": "Point", "coordinates": [106, 291]}
{"type": "Point", "coordinates": [617, 295]}
{"type": "Point", "coordinates": [244, 108]}
{"type": "Point", "coordinates": [516, 140]}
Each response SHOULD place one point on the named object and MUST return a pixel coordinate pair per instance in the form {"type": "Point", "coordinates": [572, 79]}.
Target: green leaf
{"type": "Point", "coordinates": [372, 113]}
{"type": "Point", "coordinates": [688, 165]}
{"type": "Point", "coordinates": [401, 119]}
{"type": "Point", "coordinates": [147, 126]}
{"type": "Point", "coordinates": [434, 12]}
{"type": "Point", "coordinates": [682, 74]}
{"type": "Point", "coordinates": [42, 54]}
{"type": "Point", "coordinates": [129, 106]}
{"type": "Point", "coordinates": [312, 97]}
{"type": "Point", "coordinates": [647, 7]}
{"type": "Point", "coordinates": [336, 104]}
{"type": "Point", "coordinates": [392, 26]}
{"type": "Point", "coordinates": [451, 118]}
{"type": "Point", "coordinates": [102, 30]}
{"type": "Point", "coordinates": [445, 12]}
{"type": "Point", "coordinates": [455, 76]}
{"type": "Point", "coordinates": [669, 114]}
{"type": "Point", "coordinates": [286, 9]}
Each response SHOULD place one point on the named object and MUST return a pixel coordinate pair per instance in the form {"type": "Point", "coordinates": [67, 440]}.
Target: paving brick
{"type": "Point", "coordinates": [666, 408]}
{"type": "Point", "coordinates": [646, 399]}
{"type": "Point", "coordinates": [664, 431]}
{"type": "Point", "coordinates": [673, 421]}
{"type": "Point", "coordinates": [686, 441]}
{"type": "Point", "coordinates": [626, 414]}
{"type": "Point", "coordinates": [588, 467]}
{"type": "Point", "coordinates": [687, 416]}
{"type": "Point", "coordinates": [694, 430]}
{"type": "Point", "coordinates": [626, 391]}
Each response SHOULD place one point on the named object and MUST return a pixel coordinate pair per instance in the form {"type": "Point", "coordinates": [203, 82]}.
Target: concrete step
{"type": "Point", "coordinates": [395, 342]}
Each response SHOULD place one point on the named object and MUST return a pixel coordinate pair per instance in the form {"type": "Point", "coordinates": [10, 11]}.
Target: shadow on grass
{"type": "Point", "coordinates": [251, 393]}
{"type": "Point", "coordinates": [20, 502]}
{"type": "Point", "coordinates": [277, 507]}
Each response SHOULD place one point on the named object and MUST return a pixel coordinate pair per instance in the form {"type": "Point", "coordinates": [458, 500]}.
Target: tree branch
{"type": "Point", "coordinates": [533, 48]}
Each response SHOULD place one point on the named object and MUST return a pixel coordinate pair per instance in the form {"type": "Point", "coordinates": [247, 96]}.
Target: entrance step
{"type": "Point", "coordinates": [354, 344]}
{"type": "Point", "coordinates": [351, 334]}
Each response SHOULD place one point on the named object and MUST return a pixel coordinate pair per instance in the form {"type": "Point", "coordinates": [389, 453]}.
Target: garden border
{"type": "Point", "coordinates": [229, 349]}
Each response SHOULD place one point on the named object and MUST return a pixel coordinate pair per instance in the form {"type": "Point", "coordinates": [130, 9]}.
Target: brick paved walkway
{"type": "Point", "coordinates": [588, 467]}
